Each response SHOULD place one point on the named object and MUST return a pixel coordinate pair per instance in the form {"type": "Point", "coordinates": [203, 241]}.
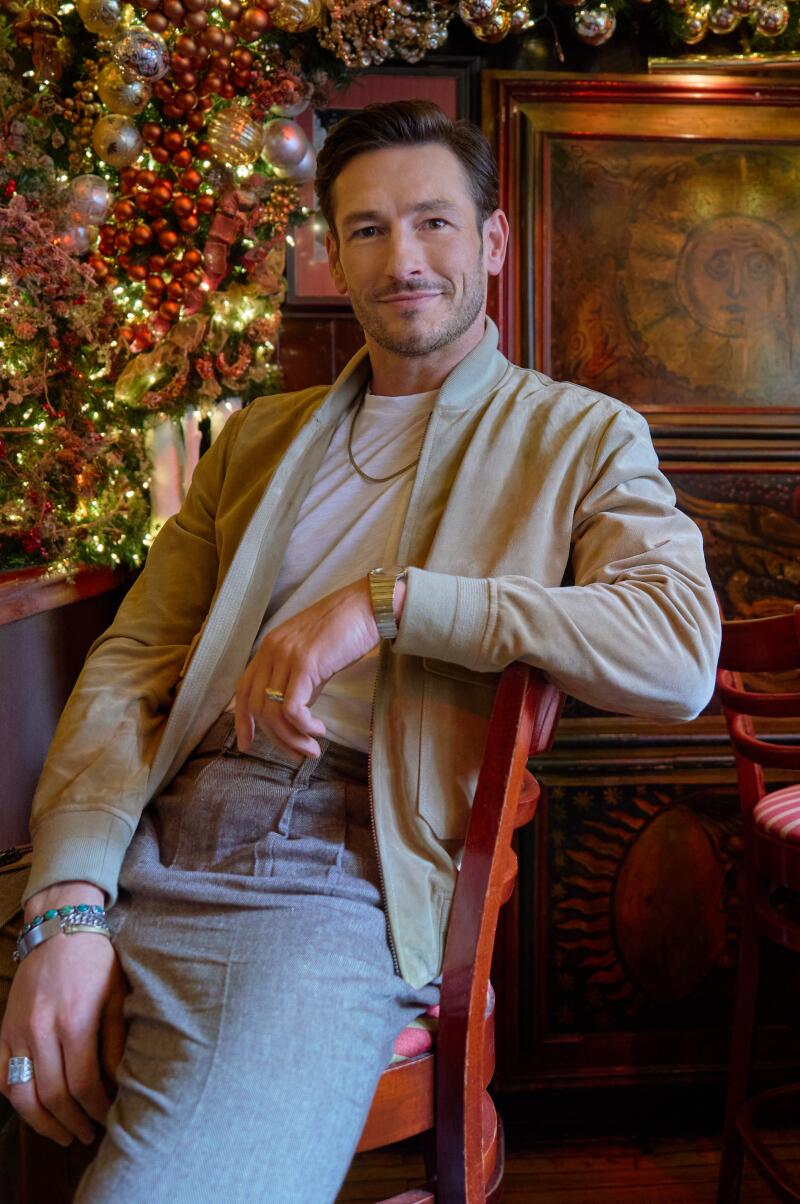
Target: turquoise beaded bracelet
{"type": "Point", "coordinates": [69, 919]}
{"type": "Point", "coordinates": [66, 911]}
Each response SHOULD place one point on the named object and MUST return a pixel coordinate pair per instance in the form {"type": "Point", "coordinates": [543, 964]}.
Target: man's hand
{"type": "Point", "coordinates": [298, 658]}
{"type": "Point", "coordinates": [64, 1008]}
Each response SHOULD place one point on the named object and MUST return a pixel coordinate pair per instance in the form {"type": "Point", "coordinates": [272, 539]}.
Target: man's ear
{"type": "Point", "coordinates": [334, 265]}
{"type": "Point", "coordinates": [495, 242]}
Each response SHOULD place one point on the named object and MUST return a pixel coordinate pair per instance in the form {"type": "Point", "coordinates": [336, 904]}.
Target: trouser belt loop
{"type": "Point", "coordinates": [309, 765]}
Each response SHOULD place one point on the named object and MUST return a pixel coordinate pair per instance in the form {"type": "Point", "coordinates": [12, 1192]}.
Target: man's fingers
{"type": "Point", "coordinates": [24, 1099]}
{"type": "Point", "coordinates": [114, 1031]}
{"type": "Point", "coordinates": [82, 1067]}
{"type": "Point", "coordinates": [55, 1092]}
{"type": "Point", "coordinates": [296, 706]}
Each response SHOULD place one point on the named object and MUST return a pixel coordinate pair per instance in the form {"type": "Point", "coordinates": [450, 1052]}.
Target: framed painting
{"type": "Point", "coordinates": [449, 82]}
{"type": "Point", "coordinates": [656, 250]}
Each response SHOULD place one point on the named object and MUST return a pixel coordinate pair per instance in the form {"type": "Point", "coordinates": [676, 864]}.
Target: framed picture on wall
{"type": "Point", "coordinates": [656, 250]}
{"type": "Point", "coordinates": [449, 82]}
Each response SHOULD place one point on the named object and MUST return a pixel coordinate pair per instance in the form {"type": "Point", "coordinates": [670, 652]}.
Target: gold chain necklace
{"type": "Point", "coordinates": [365, 475]}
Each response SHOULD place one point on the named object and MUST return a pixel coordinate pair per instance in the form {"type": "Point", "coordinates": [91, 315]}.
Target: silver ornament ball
{"type": "Point", "coordinates": [472, 11]}
{"type": "Point", "coordinates": [75, 240]}
{"type": "Point", "coordinates": [594, 26]}
{"type": "Point", "coordinates": [772, 17]}
{"type": "Point", "coordinates": [89, 200]}
{"type": "Point", "coordinates": [723, 19]}
{"type": "Point", "coordinates": [142, 54]}
{"type": "Point", "coordinates": [285, 143]}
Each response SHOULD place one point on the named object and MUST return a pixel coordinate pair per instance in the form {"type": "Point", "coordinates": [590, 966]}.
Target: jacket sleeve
{"type": "Point", "coordinates": [81, 823]}
{"type": "Point", "coordinates": [638, 632]}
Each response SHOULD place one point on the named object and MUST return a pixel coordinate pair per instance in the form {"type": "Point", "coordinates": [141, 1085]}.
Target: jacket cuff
{"type": "Point", "coordinates": [445, 617]}
{"type": "Point", "coordinates": [78, 846]}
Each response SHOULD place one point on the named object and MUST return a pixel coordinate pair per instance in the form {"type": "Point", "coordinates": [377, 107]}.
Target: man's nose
{"type": "Point", "coordinates": [403, 257]}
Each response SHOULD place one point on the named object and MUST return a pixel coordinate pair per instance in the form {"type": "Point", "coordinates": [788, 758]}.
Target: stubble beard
{"type": "Point", "coordinates": [418, 340]}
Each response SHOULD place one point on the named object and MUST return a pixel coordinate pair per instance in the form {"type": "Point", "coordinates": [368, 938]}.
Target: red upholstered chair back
{"type": "Point", "coordinates": [764, 647]}
{"type": "Point", "coordinates": [760, 646]}
{"type": "Point", "coordinates": [765, 748]}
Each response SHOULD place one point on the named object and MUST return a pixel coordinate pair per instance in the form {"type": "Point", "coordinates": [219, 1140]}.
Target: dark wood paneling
{"type": "Point", "coordinates": [313, 348]}
{"type": "Point", "coordinates": [41, 656]}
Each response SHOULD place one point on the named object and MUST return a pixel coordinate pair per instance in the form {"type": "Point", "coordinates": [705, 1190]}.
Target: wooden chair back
{"type": "Point", "coordinates": [523, 724]}
{"type": "Point", "coordinates": [446, 1090]}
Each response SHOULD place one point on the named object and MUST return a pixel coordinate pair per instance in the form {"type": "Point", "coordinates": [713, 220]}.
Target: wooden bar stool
{"type": "Point", "coordinates": [771, 905]}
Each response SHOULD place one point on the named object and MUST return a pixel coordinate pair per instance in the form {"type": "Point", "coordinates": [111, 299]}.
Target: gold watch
{"type": "Point", "coordinates": [381, 591]}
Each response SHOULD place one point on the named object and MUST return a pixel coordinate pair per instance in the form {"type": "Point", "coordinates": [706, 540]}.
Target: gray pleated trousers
{"type": "Point", "coordinates": [264, 998]}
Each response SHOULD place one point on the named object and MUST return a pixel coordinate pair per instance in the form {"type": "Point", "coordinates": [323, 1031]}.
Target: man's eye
{"type": "Point", "coordinates": [436, 223]}
{"type": "Point", "coordinates": [365, 232]}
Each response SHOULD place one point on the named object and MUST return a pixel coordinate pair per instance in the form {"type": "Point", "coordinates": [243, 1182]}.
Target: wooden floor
{"type": "Point", "coordinates": [620, 1168]}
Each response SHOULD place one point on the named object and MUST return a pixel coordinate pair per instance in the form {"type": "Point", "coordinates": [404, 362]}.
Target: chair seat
{"type": "Point", "coordinates": [419, 1036]}
{"type": "Point", "coordinates": [777, 815]}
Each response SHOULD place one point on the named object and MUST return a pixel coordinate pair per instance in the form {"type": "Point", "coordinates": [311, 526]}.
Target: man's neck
{"type": "Point", "coordinates": [400, 376]}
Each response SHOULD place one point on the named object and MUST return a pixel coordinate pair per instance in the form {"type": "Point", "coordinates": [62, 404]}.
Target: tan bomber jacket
{"type": "Point", "coordinates": [522, 482]}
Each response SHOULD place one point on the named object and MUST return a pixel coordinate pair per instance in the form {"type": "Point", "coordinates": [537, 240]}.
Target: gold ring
{"type": "Point", "coordinates": [273, 695]}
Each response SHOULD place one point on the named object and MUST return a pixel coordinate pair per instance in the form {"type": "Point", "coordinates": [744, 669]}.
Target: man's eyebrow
{"type": "Point", "coordinates": [442, 204]}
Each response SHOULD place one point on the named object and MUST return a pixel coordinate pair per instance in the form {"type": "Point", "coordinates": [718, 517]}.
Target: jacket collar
{"type": "Point", "coordinates": [470, 382]}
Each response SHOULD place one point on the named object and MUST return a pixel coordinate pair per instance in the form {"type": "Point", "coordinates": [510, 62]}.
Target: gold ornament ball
{"type": "Point", "coordinates": [116, 141]}
{"type": "Point", "coordinates": [693, 27]}
{"type": "Point", "coordinates": [234, 138]}
{"type": "Point", "coordinates": [121, 95]}
{"type": "Point", "coordinates": [594, 26]}
{"type": "Point", "coordinates": [772, 17]}
{"type": "Point", "coordinates": [296, 16]}
{"type": "Point", "coordinates": [472, 11]}
{"type": "Point", "coordinates": [495, 28]}
{"type": "Point", "coordinates": [103, 17]}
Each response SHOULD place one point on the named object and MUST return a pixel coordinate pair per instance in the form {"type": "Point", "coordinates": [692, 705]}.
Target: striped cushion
{"type": "Point", "coordinates": [419, 1036]}
{"type": "Point", "coordinates": [778, 814]}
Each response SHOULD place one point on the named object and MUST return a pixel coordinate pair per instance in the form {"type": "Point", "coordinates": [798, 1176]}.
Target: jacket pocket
{"type": "Point", "coordinates": [190, 652]}
{"type": "Point", "coordinates": [456, 706]}
{"type": "Point", "coordinates": [460, 673]}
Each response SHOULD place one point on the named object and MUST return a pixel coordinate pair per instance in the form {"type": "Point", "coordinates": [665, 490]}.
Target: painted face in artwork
{"type": "Point", "coordinates": [736, 275]}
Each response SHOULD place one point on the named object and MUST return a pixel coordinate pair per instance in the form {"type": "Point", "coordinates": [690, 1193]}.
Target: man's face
{"type": "Point", "coordinates": [409, 254]}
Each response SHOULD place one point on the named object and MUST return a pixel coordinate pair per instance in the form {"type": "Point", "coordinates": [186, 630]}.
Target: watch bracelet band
{"type": "Point", "coordinates": [69, 920]}
{"type": "Point", "coordinates": [381, 590]}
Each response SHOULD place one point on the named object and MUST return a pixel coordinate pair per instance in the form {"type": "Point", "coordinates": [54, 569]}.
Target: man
{"type": "Point", "coordinates": [283, 903]}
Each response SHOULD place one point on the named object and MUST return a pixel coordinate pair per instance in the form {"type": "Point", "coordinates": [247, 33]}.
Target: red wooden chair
{"type": "Point", "coordinates": [771, 832]}
{"type": "Point", "coordinates": [444, 1090]}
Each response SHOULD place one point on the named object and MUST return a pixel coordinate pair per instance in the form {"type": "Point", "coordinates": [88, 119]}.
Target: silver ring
{"type": "Point", "coordinates": [273, 695]}
{"type": "Point", "coordinates": [20, 1070]}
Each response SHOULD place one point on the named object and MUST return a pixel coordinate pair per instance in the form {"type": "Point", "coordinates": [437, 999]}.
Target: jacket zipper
{"type": "Point", "coordinates": [374, 831]}
{"type": "Point", "coordinates": [373, 827]}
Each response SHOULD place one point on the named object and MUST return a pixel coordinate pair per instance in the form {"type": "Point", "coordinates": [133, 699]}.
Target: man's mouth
{"type": "Point", "coordinates": [406, 298]}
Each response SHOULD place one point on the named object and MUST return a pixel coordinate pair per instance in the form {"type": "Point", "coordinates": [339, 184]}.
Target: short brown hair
{"type": "Point", "coordinates": [407, 123]}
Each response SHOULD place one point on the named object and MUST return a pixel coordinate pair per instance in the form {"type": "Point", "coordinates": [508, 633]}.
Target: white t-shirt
{"type": "Point", "coordinates": [346, 526]}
